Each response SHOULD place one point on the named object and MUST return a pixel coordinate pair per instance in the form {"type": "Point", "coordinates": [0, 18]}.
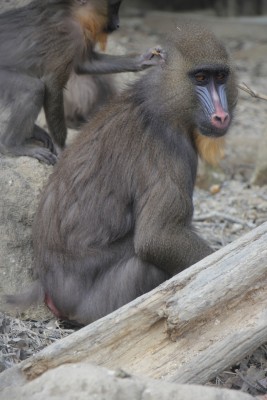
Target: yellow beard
{"type": "Point", "coordinates": [209, 149]}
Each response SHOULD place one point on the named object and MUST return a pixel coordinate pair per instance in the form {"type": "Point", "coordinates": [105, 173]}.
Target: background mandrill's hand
{"type": "Point", "coordinates": [154, 56]}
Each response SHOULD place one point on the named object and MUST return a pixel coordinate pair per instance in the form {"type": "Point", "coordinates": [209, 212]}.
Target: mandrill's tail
{"type": "Point", "coordinates": [32, 296]}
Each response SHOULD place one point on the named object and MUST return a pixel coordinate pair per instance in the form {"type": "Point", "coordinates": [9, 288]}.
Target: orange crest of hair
{"type": "Point", "coordinates": [93, 24]}
{"type": "Point", "coordinates": [209, 149]}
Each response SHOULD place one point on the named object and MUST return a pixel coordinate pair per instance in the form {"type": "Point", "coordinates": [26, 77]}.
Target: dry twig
{"type": "Point", "coordinates": [243, 86]}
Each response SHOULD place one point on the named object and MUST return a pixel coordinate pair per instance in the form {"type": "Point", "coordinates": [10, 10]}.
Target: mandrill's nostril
{"type": "Point", "coordinates": [220, 120]}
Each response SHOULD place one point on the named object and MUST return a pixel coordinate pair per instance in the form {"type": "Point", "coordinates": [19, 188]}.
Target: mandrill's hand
{"type": "Point", "coordinates": [152, 57]}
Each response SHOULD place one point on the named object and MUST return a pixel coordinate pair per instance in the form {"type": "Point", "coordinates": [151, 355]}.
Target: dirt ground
{"type": "Point", "coordinates": [227, 205]}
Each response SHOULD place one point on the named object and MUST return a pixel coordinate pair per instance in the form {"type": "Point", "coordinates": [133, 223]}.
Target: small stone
{"type": "Point", "coordinates": [236, 228]}
{"type": "Point", "coordinates": [214, 189]}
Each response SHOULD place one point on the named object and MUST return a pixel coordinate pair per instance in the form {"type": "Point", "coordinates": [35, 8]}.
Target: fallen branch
{"type": "Point", "coordinates": [243, 86]}
{"type": "Point", "coordinates": [187, 330]}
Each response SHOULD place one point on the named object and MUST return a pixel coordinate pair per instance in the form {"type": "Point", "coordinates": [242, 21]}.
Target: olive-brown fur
{"type": "Point", "coordinates": [115, 219]}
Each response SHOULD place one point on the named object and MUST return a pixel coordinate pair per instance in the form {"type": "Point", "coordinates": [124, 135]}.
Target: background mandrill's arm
{"type": "Point", "coordinates": [164, 236]}
{"type": "Point", "coordinates": [108, 64]}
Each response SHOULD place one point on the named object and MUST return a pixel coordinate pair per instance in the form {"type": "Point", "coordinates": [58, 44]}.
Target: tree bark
{"type": "Point", "coordinates": [187, 330]}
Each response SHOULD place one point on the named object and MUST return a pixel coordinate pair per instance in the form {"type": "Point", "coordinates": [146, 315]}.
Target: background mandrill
{"type": "Point", "coordinates": [115, 218]}
{"type": "Point", "coordinates": [41, 44]}
{"type": "Point", "coordinates": [86, 94]}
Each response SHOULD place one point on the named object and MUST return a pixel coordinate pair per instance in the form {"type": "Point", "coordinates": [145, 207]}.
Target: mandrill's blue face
{"type": "Point", "coordinates": [213, 118]}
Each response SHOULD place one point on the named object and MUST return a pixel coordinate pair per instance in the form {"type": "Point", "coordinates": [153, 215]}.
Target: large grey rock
{"type": "Point", "coordinates": [21, 180]}
{"type": "Point", "coordinates": [86, 382]}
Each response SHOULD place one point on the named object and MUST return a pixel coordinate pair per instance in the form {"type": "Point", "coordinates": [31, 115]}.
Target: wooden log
{"type": "Point", "coordinates": [187, 330]}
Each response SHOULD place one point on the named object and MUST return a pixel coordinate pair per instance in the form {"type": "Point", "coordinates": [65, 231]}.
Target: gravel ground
{"type": "Point", "coordinates": [226, 206]}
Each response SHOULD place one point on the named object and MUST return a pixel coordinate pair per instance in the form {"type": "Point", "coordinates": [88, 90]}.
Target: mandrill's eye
{"type": "Point", "coordinates": [201, 78]}
{"type": "Point", "coordinates": [221, 77]}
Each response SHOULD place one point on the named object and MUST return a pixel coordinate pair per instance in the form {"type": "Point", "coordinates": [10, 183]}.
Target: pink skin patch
{"type": "Point", "coordinates": [50, 304]}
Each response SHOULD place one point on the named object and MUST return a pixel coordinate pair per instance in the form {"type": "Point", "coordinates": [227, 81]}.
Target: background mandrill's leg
{"type": "Point", "coordinates": [21, 98]}
{"type": "Point", "coordinates": [54, 113]}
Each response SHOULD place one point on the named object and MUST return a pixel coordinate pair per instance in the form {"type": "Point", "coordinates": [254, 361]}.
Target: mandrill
{"type": "Point", "coordinates": [115, 219]}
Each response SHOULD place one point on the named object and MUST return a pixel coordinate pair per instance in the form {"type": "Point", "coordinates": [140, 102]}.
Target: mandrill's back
{"type": "Point", "coordinates": [88, 203]}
